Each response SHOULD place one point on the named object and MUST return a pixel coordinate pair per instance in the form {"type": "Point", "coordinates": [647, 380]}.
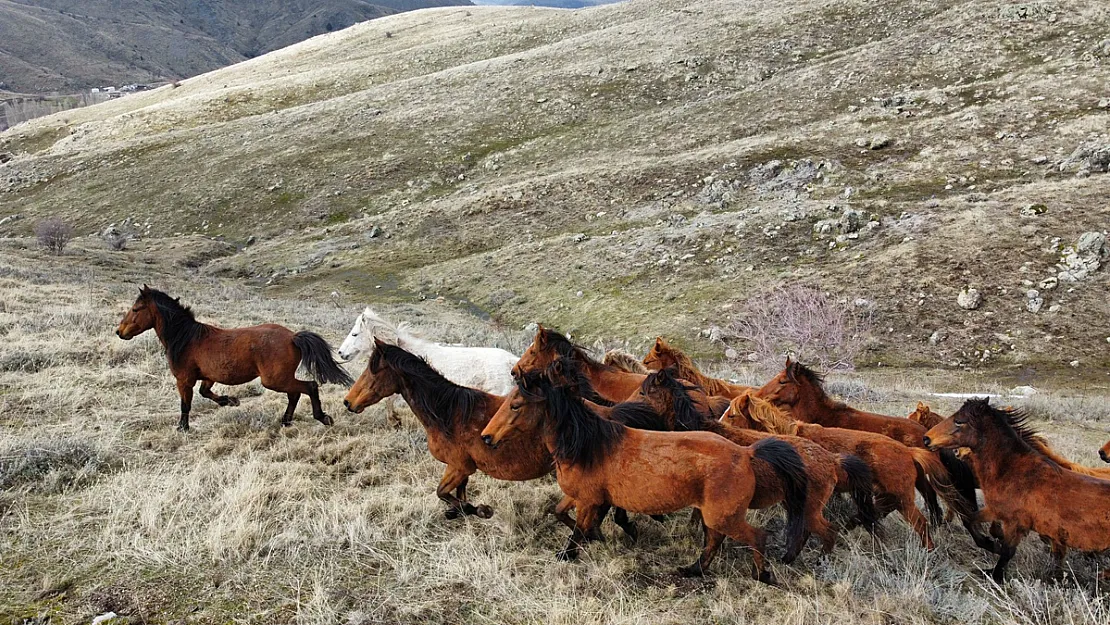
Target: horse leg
{"type": "Point", "coordinates": [287, 418]}
{"type": "Point", "coordinates": [583, 527]}
{"type": "Point", "coordinates": [816, 522]}
{"type": "Point", "coordinates": [452, 479]}
{"type": "Point", "coordinates": [620, 517]}
{"type": "Point", "coordinates": [907, 507]}
{"type": "Point", "coordinates": [1059, 552]}
{"type": "Point", "coordinates": [710, 544]}
{"type": "Point", "coordinates": [561, 511]}
{"type": "Point", "coordinates": [185, 390]}
{"type": "Point", "coordinates": [222, 400]}
{"type": "Point", "coordinates": [481, 511]}
{"type": "Point", "coordinates": [313, 393]}
{"type": "Point", "coordinates": [1010, 538]}
{"type": "Point", "coordinates": [737, 528]}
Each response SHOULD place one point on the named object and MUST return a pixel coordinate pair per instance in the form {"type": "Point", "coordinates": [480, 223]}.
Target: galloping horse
{"type": "Point", "coordinates": [687, 409]}
{"type": "Point", "coordinates": [1025, 491]}
{"type": "Point", "coordinates": [664, 356]}
{"type": "Point", "coordinates": [198, 351]}
{"type": "Point", "coordinates": [484, 368]}
{"type": "Point", "coordinates": [610, 382]}
{"type": "Point", "coordinates": [601, 464]}
{"type": "Point", "coordinates": [453, 417]}
{"type": "Point", "coordinates": [1104, 453]}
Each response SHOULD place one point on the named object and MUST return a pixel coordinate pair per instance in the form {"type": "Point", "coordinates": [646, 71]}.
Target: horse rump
{"type": "Point", "coordinates": [316, 358]}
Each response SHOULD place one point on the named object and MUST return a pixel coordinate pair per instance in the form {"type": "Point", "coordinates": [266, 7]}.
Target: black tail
{"type": "Point", "coordinates": [795, 485]}
{"type": "Point", "coordinates": [860, 486]}
{"type": "Point", "coordinates": [929, 494]}
{"type": "Point", "coordinates": [316, 358]}
{"type": "Point", "coordinates": [963, 480]}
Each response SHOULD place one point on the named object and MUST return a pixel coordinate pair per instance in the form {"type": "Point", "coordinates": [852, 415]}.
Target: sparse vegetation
{"type": "Point", "coordinates": [54, 234]}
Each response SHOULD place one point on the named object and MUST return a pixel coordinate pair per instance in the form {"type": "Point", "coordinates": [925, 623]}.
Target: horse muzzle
{"type": "Point", "coordinates": [351, 407]}
{"type": "Point", "coordinates": [1102, 454]}
{"type": "Point", "coordinates": [928, 444]}
{"type": "Point", "coordinates": [487, 439]}
{"type": "Point", "coordinates": [123, 336]}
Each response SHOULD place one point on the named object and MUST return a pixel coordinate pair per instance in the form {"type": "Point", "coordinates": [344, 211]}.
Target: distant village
{"type": "Point", "coordinates": [119, 92]}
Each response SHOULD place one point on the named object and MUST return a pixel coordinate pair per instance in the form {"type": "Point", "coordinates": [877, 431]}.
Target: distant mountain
{"type": "Point", "coordinates": [64, 46]}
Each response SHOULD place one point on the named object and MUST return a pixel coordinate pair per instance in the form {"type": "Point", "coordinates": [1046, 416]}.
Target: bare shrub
{"type": "Point", "coordinates": [116, 240]}
{"type": "Point", "coordinates": [53, 234]}
{"type": "Point", "coordinates": [803, 322]}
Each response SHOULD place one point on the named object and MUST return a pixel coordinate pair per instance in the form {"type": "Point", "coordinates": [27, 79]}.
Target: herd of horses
{"type": "Point", "coordinates": [654, 436]}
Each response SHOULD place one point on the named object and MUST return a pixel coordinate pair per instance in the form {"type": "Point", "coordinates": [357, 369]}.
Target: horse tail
{"type": "Point", "coordinates": [933, 479]}
{"type": "Point", "coordinates": [316, 358]}
{"type": "Point", "coordinates": [860, 485]}
{"type": "Point", "coordinates": [963, 480]}
{"type": "Point", "coordinates": [786, 462]}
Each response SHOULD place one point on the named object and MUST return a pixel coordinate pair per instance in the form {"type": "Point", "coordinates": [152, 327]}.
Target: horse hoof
{"type": "Point", "coordinates": [182, 428]}
{"type": "Point", "coordinates": [767, 577]}
{"type": "Point", "coordinates": [452, 513]}
{"type": "Point", "coordinates": [232, 401]}
{"type": "Point", "coordinates": [325, 419]}
{"type": "Point", "coordinates": [659, 517]}
{"type": "Point", "coordinates": [483, 511]}
{"type": "Point", "coordinates": [565, 555]}
{"type": "Point", "coordinates": [694, 570]}
{"type": "Point", "coordinates": [286, 424]}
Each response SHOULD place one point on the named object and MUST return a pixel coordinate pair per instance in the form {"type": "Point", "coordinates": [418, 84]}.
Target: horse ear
{"type": "Point", "coordinates": [922, 407]}
{"type": "Point", "coordinates": [541, 335]}
{"type": "Point", "coordinates": [659, 342]}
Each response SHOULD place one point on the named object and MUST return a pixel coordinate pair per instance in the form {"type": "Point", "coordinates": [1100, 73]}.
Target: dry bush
{"type": "Point", "coordinates": [50, 465]}
{"type": "Point", "coordinates": [53, 234]}
{"type": "Point", "coordinates": [803, 322]}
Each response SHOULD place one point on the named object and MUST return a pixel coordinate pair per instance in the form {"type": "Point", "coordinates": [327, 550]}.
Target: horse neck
{"type": "Point", "coordinates": [410, 391]}
{"type": "Point", "coordinates": [999, 454]}
{"type": "Point", "coordinates": [815, 406]}
{"type": "Point", "coordinates": [610, 383]}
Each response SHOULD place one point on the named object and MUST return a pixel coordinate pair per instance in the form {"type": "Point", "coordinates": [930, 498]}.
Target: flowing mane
{"type": "Point", "coordinates": [624, 361]}
{"type": "Point", "coordinates": [566, 371]}
{"type": "Point", "coordinates": [179, 327]}
{"type": "Point", "coordinates": [563, 346]}
{"type": "Point", "coordinates": [437, 400]}
{"type": "Point", "coordinates": [1011, 422]}
{"type": "Point", "coordinates": [687, 415]}
{"type": "Point", "coordinates": [799, 372]}
{"type": "Point", "coordinates": [771, 417]}
{"type": "Point", "coordinates": [581, 437]}
{"type": "Point", "coordinates": [686, 369]}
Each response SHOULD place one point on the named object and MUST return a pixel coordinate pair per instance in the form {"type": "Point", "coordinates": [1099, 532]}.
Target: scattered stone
{"type": "Point", "coordinates": [104, 618]}
{"type": "Point", "coordinates": [1033, 301]}
{"type": "Point", "coordinates": [6, 157]}
{"type": "Point", "coordinates": [731, 354]}
{"type": "Point", "coordinates": [1048, 284]}
{"type": "Point", "coordinates": [1033, 210]}
{"type": "Point", "coordinates": [580, 237]}
{"type": "Point", "coordinates": [1074, 364]}
{"type": "Point", "coordinates": [1104, 103]}
{"type": "Point", "coordinates": [938, 336]}
{"type": "Point", "coordinates": [1055, 308]}
{"type": "Point", "coordinates": [969, 299]}
{"type": "Point", "coordinates": [1085, 258]}
{"type": "Point", "coordinates": [879, 142]}
{"type": "Point", "coordinates": [251, 240]}
{"type": "Point", "coordinates": [9, 219]}
{"type": "Point", "coordinates": [861, 142]}
{"type": "Point", "coordinates": [1024, 391]}
{"type": "Point", "coordinates": [531, 327]}
{"type": "Point", "coordinates": [374, 232]}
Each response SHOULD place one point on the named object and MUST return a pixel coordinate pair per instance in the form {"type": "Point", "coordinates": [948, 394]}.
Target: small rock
{"type": "Point", "coordinates": [1055, 308]}
{"type": "Point", "coordinates": [531, 327]}
{"type": "Point", "coordinates": [969, 299]}
{"type": "Point", "coordinates": [937, 336]}
{"type": "Point", "coordinates": [1024, 391]}
{"type": "Point", "coordinates": [1048, 284]}
{"type": "Point", "coordinates": [6, 157]}
{"type": "Point", "coordinates": [1034, 304]}
{"type": "Point", "coordinates": [731, 354]}
{"type": "Point", "coordinates": [104, 618]}
{"type": "Point", "coordinates": [374, 232]}
{"type": "Point", "coordinates": [1104, 103]}
{"type": "Point", "coordinates": [1033, 210]}
{"type": "Point", "coordinates": [861, 142]}
{"type": "Point", "coordinates": [580, 237]}
{"type": "Point", "coordinates": [1074, 364]}
{"type": "Point", "coordinates": [251, 240]}
{"type": "Point", "coordinates": [879, 142]}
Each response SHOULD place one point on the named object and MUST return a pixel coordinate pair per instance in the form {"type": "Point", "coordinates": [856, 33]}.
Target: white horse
{"type": "Point", "coordinates": [485, 368]}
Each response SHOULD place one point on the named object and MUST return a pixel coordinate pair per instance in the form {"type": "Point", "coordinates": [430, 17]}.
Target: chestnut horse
{"type": "Point", "coordinates": [1104, 453]}
{"type": "Point", "coordinates": [610, 382]}
{"type": "Point", "coordinates": [686, 408]}
{"type": "Point", "coordinates": [198, 351]}
{"type": "Point", "coordinates": [600, 463]}
{"type": "Point", "coordinates": [1025, 491]}
{"type": "Point", "coordinates": [924, 416]}
{"type": "Point", "coordinates": [453, 417]}
{"type": "Point", "coordinates": [664, 356]}
{"type": "Point", "coordinates": [894, 466]}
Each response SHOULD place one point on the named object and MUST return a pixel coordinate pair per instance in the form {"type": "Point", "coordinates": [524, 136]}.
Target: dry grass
{"type": "Point", "coordinates": [106, 507]}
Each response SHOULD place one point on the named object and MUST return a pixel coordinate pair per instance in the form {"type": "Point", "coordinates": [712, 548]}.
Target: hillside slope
{"type": "Point", "coordinates": [51, 45]}
{"type": "Point", "coordinates": [640, 168]}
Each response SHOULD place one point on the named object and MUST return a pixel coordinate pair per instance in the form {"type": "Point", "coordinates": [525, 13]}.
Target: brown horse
{"type": "Point", "coordinates": [665, 356]}
{"type": "Point", "coordinates": [686, 408]}
{"type": "Point", "coordinates": [800, 391]}
{"type": "Point", "coordinates": [1025, 491]}
{"type": "Point", "coordinates": [897, 469]}
{"type": "Point", "coordinates": [453, 417]}
{"type": "Point", "coordinates": [198, 351]}
{"type": "Point", "coordinates": [601, 463]}
{"type": "Point", "coordinates": [610, 382]}
{"type": "Point", "coordinates": [1104, 453]}
{"type": "Point", "coordinates": [924, 416]}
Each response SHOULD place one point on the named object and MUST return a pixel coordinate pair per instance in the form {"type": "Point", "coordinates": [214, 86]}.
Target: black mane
{"type": "Point", "coordinates": [686, 414]}
{"type": "Point", "coordinates": [581, 437]}
{"type": "Point", "coordinates": [439, 402]}
{"type": "Point", "coordinates": [563, 346]}
{"type": "Point", "coordinates": [574, 377]}
{"type": "Point", "coordinates": [639, 415]}
{"type": "Point", "coordinates": [179, 327]}
{"type": "Point", "coordinates": [797, 370]}
{"type": "Point", "coordinates": [1012, 422]}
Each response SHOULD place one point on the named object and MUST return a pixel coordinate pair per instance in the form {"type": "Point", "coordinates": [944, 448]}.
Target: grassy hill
{"type": "Point", "coordinates": [52, 45]}
{"type": "Point", "coordinates": [639, 168]}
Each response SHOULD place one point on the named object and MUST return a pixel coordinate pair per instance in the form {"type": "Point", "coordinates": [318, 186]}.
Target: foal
{"type": "Point", "coordinates": [453, 417]}
{"type": "Point", "coordinates": [665, 356]}
{"type": "Point", "coordinates": [198, 351]}
{"type": "Point", "coordinates": [600, 463]}
{"type": "Point", "coordinates": [1025, 491]}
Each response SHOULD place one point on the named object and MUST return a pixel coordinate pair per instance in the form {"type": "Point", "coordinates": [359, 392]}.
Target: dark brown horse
{"type": "Point", "coordinates": [1026, 491]}
{"type": "Point", "coordinates": [686, 408]}
{"type": "Point", "coordinates": [610, 382]}
{"type": "Point", "coordinates": [601, 463]}
{"type": "Point", "coordinates": [198, 351]}
{"type": "Point", "coordinates": [1104, 453]}
{"type": "Point", "coordinates": [663, 355]}
{"type": "Point", "coordinates": [453, 417]}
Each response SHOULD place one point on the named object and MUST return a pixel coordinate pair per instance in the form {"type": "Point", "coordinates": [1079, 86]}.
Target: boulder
{"type": "Point", "coordinates": [969, 299]}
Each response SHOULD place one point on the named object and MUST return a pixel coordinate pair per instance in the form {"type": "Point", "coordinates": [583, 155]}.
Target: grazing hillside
{"type": "Point", "coordinates": [52, 45]}
{"type": "Point", "coordinates": [644, 167]}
